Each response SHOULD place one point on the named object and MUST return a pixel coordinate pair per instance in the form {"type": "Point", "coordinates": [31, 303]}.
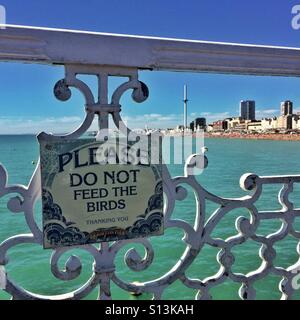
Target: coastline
{"type": "Point", "coordinates": [257, 136]}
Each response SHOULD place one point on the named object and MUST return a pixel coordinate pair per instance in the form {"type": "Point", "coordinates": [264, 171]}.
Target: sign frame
{"type": "Point", "coordinates": [63, 220]}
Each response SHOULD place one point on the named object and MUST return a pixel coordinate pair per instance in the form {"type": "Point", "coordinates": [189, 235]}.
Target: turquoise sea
{"type": "Point", "coordinates": [228, 160]}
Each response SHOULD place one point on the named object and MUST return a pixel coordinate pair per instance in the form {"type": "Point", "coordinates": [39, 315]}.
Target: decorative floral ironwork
{"type": "Point", "coordinates": [196, 236]}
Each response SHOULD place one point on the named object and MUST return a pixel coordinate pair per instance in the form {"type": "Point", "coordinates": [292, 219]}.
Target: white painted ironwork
{"type": "Point", "coordinates": [196, 236]}
{"type": "Point", "coordinates": [54, 46]}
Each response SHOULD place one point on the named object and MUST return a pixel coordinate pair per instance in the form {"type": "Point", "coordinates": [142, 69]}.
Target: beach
{"type": "Point", "coordinates": [255, 136]}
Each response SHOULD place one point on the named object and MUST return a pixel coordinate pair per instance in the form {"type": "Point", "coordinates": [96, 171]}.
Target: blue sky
{"type": "Point", "coordinates": [27, 102]}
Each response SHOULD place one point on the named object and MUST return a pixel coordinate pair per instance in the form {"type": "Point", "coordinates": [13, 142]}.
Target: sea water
{"type": "Point", "coordinates": [228, 159]}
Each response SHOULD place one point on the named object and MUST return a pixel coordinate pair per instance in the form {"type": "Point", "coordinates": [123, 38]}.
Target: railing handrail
{"type": "Point", "coordinates": [59, 46]}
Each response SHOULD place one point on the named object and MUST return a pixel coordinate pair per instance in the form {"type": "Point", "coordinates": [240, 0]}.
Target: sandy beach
{"type": "Point", "coordinates": [257, 136]}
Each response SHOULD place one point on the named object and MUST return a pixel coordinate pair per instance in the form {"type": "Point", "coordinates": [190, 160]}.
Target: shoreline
{"type": "Point", "coordinates": [248, 136]}
{"type": "Point", "coordinates": [258, 136]}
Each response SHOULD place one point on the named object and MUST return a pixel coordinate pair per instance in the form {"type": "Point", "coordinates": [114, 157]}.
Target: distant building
{"type": "Point", "coordinates": [286, 108]}
{"type": "Point", "coordinates": [254, 126]}
{"type": "Point", "coordinates": [269, 124]}
{"type": "Point", "coordinates": [242, 126]}
{"type": "Point", "coordinates": [285, 122]}
{"type": "Point", "coordinates": [179, 128]}
{"type": "Point", "coordinates": [219, 125]}
{"type": "Point", "coordinates": [296, 122]}
{"type": "Point", "coordinates": [192, 126]}
{"type": "Point", "coordinates": [232, 123]}
{"type": "Point", "coordinates": [209, 128]}
{"type": "Point", "coordinates": [288, 122]}
{"type": "Point", "coordinates": [200, 123]}
{"type": "Point", "coordinates": [247, 110]}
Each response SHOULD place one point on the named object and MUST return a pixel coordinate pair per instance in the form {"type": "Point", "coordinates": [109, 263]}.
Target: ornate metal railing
{"type": "Point", "coordinates": [96, 52]}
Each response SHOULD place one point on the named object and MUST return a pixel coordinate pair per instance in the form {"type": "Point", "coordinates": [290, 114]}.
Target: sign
{"type": "Point", "coordinates": [88, 199]}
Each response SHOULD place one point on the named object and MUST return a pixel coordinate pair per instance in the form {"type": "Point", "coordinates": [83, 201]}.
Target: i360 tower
{"type": "Point", "coordinates": [185, 101]}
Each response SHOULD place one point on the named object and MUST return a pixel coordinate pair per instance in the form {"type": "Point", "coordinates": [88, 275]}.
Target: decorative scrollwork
{"type": "Point", "coordinates": [196, 236]}
{"type": "Point", "coordinates": [140, 94]}
{"type": "Point", "coordinates": [62, 91]}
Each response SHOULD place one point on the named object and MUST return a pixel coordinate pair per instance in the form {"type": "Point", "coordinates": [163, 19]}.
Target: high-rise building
{"type": "Point", "coordinates": [247, 110]}
{"type": "Point", "coordinates": [286, 108]}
